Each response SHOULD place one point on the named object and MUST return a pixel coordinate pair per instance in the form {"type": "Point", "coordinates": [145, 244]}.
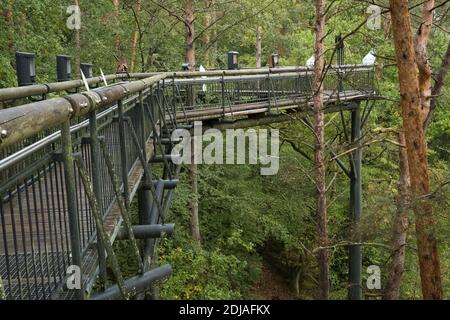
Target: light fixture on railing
{"type": "Point", "coordinates": [275, 60]}
{"type": "Point", "coordinates": [64, 70]}
{"type": "Point", "coordinates": [339, 40]}
{"type": "Point", "coordinates": [26, 72]}
{"type": "Point", "coordinates": [185, 67]}
{"type": "Point", "coordinates": [26, 68]}
{"type": "Point", "coordinates": [233, 60]}
{"type": "Point", "coordinates": [87, 69]}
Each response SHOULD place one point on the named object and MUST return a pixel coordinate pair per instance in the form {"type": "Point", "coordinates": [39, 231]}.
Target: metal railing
{"type": "Point", "coordinates": [66, 158]}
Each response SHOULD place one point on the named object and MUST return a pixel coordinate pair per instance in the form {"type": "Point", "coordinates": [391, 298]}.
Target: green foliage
{"type": "Point", "coordinates": [247, 220]}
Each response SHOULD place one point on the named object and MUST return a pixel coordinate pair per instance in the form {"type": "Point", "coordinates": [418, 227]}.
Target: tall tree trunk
{"type": "Point", "coordinates": [400, 227]}
{"type": "Point", "coordinates": [417, 150]}
{"type": "Point", "coordinates": [190, 34]}
{"type": "Point", "coordinates": [192, 170]}
{"type": "Point", "coordinates": [135, 39]}
{"type": "Point", "coordinates": [258, 46]}
{"type": "Point", "coordinates": [193, 198]}
{"type": "Point", "coordinates": [116, 4]}
{"type": "Point", "coordinates": [77, 47]}
{"type": "Point", "coordinates": [8, 14]}
{"type": "Point", "coordinates": [421, 48]}
{"type": "Point", "coordinates": [319, 154]}
{"type": "Point", "coordinates": [438, 85]}
{"type": "Point", "coordinates": [208, 19]}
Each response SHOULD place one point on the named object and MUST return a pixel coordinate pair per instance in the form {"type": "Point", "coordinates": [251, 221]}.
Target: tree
{"type": "Point", "coordinates": [319, 152]}
{"type": "Point", "coordinates": [190, 33]}
{"type": "Point", "coordinates": [116, 16]}
{"type": "Point", "coordinates": [208, 30]}
{"type": "Point", "coordinates": [400, 227]}
{"type": "Point", "coordinates": [422, 59]}
{"type": "Point", "coordinates": [77, 47]}
{"type": "Point", "coordinates": [192, 168]}
{"type": "Point", "coordinates": [410, 101]}
{"type": "Point", "coordinates": [258, 46]}
{"type": "Point", "coordinates": [136, 36]}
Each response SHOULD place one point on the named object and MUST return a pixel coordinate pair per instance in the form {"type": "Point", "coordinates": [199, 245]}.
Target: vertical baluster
{"type": "Point", "coordinates": [123, 153]}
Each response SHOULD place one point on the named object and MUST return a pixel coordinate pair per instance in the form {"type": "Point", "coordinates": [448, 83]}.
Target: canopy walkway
{"type": "Point", "coordinates": [71, 165]}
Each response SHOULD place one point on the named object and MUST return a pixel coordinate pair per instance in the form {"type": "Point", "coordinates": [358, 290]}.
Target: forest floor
{"type": "Point", "coordinates": [271, 286]}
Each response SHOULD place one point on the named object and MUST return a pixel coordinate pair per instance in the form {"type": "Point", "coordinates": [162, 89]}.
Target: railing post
{"type": "Point", "coordinates": [223, 93]}
{"type": "Point", "coordinates": [97, 184]}
{"type": "Point", "coordinates": [123, 153]}
{"type": "Point", "coordinates": [269, 95]}
{"type": "Point", "coordinates": [143, 124]}
{"type": "Point", "coordinates": [174, 102]}
{"type": "Point", "coordinates": [355, 257]}
{"type": "Point", "coordinates": [69, 178]}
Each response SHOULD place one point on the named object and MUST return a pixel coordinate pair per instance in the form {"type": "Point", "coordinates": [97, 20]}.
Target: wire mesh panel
{"type": "Point", "coordinates": [35, 245]}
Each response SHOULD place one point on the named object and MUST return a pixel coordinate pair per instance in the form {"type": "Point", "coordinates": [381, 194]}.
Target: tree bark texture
{"type": "Point", "coordinates": [319, 153]}
{"type": "Point", "coordinates": [258, 46]}
{"type": "Point", "coordinates": [421, 47]}
{"type": "Point", "coordinates": [410, 101]}
{"type": "Point", "coordinates": [400, 227]}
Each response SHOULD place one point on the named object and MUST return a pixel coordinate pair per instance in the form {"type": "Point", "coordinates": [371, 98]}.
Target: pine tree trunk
{"type": "Point", "coordinates": [208, 19]}
{"type": "Point", "coordinates": [400, 227]}
{"type": "Point", "coordinates": [8, 13]}
{"type": "Point", "coordinates": [417, 150]}
{"type": "Point", "coordinates": [77, 48]}
{"type": "Point", "coordinates": [319, 154]}
{"type": "Point", "coordinates": [193, 170]}
{"type": "Point", "coordinates": [258, 46]}
{"type": "Point", "coordinates": [116, 4]}
{"type": "Point", "coordinates": [421, 48]}
{"type": "Point", "coordinates": [193, 198]}
{"type": "Point", "coordinates": [190, 34]}
{"type": "Point", "coordinates": [135, 39]}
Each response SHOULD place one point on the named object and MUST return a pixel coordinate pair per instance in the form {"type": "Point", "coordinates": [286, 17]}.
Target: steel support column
{"type": "Point", "coordinates": [355, 256]}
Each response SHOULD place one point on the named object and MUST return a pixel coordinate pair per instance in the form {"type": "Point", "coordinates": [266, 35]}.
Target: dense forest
{"type": "Point", "coordinates": [285, 236]}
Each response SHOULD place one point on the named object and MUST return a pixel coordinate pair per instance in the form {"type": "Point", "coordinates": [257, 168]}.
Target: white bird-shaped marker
{"type": "Point", "coordinates": [370, 58]}
{"type": "Point", "coordinates": [202, 69]}
{"type": "Point", "coordinates": [311, 61]}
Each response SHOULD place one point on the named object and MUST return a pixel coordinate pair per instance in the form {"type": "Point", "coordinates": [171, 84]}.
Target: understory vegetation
{"type": "Point", "coordinates": [250, 223]}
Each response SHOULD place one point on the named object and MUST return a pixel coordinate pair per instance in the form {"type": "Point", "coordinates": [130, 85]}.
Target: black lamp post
{"type": "Point", "coordinates": [275, 60]}
{"type": "Point", "coordinates": [63, 68]}
{"type": "Point", "coordinates": [185, 67]}
{"type": "Point", "coordinates": [233, 60]}
{"type": "Point", "coordinates": [26, 68]}
{"type": "Point", "coordinates": [87, 68]}
{"type": "Point", "coordinates": [340, 49]}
